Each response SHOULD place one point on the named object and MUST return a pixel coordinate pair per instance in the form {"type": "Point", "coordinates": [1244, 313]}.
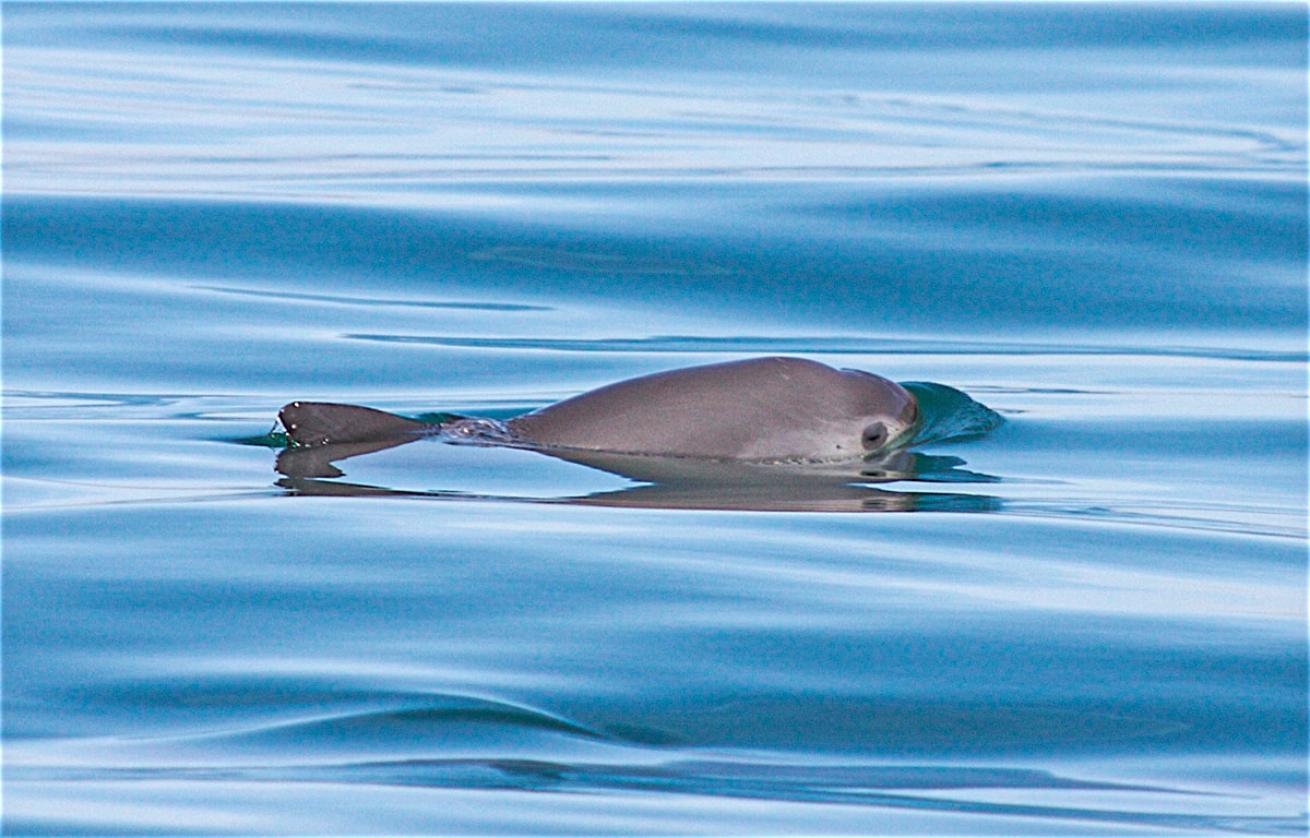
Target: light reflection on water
{"type": "Point", "coordinates": [1092, 220]}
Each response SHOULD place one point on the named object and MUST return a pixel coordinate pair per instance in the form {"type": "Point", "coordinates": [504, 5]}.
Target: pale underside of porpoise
{"type": "Point", "coordinates": [772, 409]}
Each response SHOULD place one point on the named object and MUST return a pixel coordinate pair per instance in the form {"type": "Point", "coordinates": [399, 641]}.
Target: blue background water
{"type": "Point", "coordinates": [1091, 218]}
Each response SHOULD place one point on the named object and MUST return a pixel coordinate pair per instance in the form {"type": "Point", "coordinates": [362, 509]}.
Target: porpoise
{"type": "Point", "coordinates": [774, 409]}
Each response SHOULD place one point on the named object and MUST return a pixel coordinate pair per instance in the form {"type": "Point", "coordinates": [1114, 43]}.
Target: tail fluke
{"type": "Point", "coordinates": [321, 423]}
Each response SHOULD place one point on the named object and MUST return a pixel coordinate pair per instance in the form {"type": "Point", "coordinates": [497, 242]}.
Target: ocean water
{"type": "Point", "coordinates": [1089, 218]}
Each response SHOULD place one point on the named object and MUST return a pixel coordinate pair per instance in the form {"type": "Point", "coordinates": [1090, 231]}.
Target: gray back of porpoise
{"type": "Point", "coordinates": [758, 409]}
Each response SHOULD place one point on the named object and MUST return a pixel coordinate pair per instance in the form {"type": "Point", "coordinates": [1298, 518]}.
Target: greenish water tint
{"type": "Point", "coordinates": [948, 414]}
{"type": "Point", "coordinates": [1088, 221]}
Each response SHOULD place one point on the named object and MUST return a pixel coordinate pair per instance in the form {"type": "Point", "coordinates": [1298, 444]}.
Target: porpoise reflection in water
{"type": "Point", "coordinates": [765, 433]}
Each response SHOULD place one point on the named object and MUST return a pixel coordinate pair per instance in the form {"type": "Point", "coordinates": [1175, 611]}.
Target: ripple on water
{"type": "Point", "coordinates": [212, 210]}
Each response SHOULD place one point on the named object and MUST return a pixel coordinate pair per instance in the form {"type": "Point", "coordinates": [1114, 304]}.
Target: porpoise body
{"type": "Point", "coordinates": [758, 409]}
{"type": "Point", "coordinates": [774, 409]}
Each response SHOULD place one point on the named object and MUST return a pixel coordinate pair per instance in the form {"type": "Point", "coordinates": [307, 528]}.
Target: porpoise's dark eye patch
{"type": "Point", "coordinates": [875, 436]}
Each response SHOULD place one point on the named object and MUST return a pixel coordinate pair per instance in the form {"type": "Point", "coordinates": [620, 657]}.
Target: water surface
{"type": "Point", "coordinates": [1091, 219]}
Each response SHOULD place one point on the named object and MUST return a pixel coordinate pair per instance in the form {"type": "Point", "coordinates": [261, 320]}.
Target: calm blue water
{"type": "Point", "coordinates": [1090, 218]}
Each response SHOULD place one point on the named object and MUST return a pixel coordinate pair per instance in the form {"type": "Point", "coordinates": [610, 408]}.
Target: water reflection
{"type": "Point", "coordinates": [683, 483]}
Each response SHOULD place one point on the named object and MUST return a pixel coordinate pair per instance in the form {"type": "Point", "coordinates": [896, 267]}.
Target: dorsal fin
{"type": "Point", "coordinates": [320, 423]}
